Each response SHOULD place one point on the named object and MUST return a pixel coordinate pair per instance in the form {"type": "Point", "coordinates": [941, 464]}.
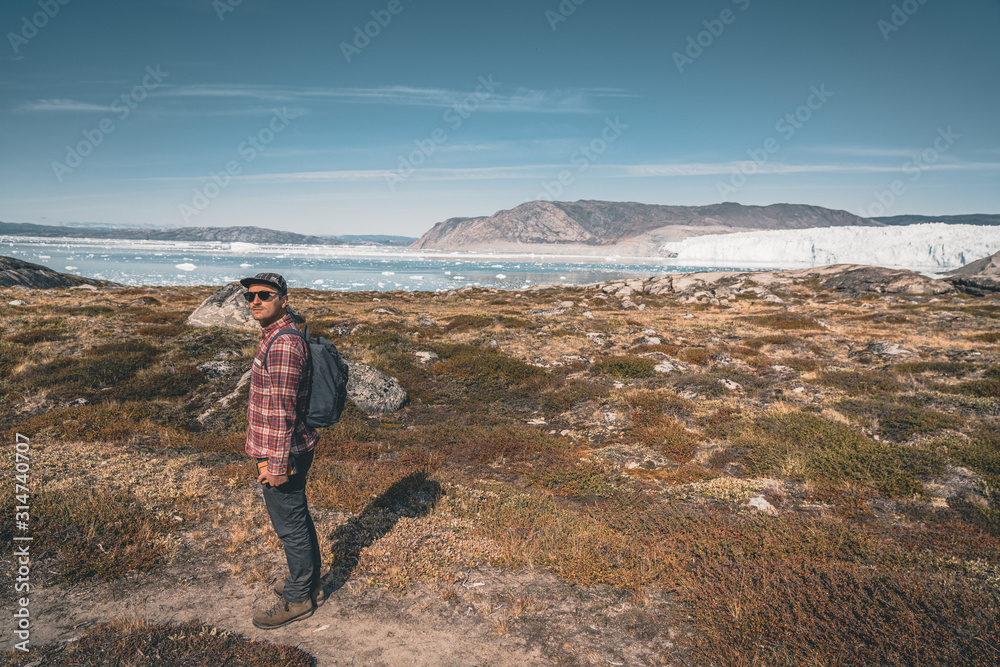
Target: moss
{"type": "Point", "coordinates": [896, 420]}
{"type": "Point", "coordinates": [625, 366]}
{"type": "Point", "coordinates": [799, 444]}
{"type": "Point", "coordinates": [786, 321]}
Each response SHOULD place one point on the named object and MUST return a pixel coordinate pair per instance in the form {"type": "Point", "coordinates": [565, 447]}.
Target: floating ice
{"type": "Point", "coordinates": [185, 267]}
{"type": "Point", "coordinates": [388, 273]}
{"type": "Point", "coordinates": [318, 282]}
{"type": "Point", "coordinates": [246, 266]}
{"type": "Point", "coordinates": [72, 268]}
{"type": "Point", "coordinates": [416, 277]}
{"type": "Point", "coordinates": [500, 276]}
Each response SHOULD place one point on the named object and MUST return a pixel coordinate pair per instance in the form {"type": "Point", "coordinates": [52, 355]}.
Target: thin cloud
{"type": "Point", "coordinates": [864, 151]}
{"type": "Point", "coordinates": [61, 105]}
{"type": "Point", "coordinates": [516, 100]}
{"type": "Point", "coordinates": [542, 171]}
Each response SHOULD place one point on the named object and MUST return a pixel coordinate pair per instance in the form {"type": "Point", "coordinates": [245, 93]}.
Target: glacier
{"type": "Point", "coordinates": [928, 247]}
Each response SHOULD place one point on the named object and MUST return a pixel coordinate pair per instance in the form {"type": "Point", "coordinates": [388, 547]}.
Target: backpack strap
{"type": "Point", "coordinates": [284, 331]}
{"type": "Point", "coordinates": [308, 357]}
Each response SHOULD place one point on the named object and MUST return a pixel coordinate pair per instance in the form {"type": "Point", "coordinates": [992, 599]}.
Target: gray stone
{"type": "Point", "coordinates": [214, 369]}
{"type": "Point", "coordinates": [373, 391]}
{"type": "Point", "coordinates": [425, 357]}
{"type": "Point", "coordinates": [225, 308]}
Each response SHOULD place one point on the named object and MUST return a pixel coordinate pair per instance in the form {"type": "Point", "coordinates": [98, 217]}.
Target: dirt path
{"type": "Point", "coordinates": [365, 625]}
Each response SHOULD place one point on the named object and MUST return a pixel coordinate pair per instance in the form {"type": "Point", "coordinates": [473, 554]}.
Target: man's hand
{"type": "Point", "coordinates": [273, 480]}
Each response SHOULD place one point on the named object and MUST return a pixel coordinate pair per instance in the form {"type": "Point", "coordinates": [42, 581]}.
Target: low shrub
{"type": "Point", "coordinates": [160, 383]}
{"type": "Point", "coordinates": [139, 644]}
{"type": "Point", "coordinates": [88, 533]}
{"type": "Point", "coordinates": [796, 612]}
{"type": "Point", "coordinates": [860, 383]}
{"type": "Point", "coordinates": [106, 422]}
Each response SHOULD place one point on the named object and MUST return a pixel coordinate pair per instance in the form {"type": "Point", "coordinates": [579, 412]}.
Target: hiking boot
{"type": "Point", "coordinates": [318, 594]}
{"type": "Point", "coordinates": [283, 613]}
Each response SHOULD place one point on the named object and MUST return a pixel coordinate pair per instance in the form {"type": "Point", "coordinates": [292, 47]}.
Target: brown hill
{"type": "Point", "coordinates": [602, 224]}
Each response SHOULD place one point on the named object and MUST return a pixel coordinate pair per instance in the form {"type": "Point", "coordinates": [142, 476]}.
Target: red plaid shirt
{"type": "Point", "coordinates": [276, 389]}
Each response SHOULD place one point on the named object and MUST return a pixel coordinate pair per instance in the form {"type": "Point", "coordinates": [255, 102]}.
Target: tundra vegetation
{"type": "Point", "coordinates": [811, 482]}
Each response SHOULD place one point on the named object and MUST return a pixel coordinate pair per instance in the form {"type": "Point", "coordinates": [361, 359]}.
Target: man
{"type": "Point", "coordinates": [283, 445]}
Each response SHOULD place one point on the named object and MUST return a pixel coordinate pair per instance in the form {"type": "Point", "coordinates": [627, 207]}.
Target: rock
{"type": "Point", "coordinates": [883, 348]}
{"type": "Point", "coordinates": [978, 285]}
{"type": "Point", "coordinates": [664, 367]}
{"type": "Point", "coordinates": [885, 281]}
{"type": "Point", "coordinates": [760, 503]}
{"type": "Point", "coordinates": [89, 288]}
{"type": "Point", "coordinates": [771, 298]}
{"type": "Point", "coordinates": [225, 308]}
{"type": "Point", "coordinates": [425, 357]}
{"type": "Point", "coordinates": [373, 391]}
{"type": "Point", "coordinates": [574, 359]}
{"type": "Point", "coordinates": [19, 273]}
{"type": "Point", "coordinates": [383, 310]}
{"type": "Point", "coordinates": [961, 484]}
{"type": "Point", "coordinates": [589, 315]}
{"type": "Point", "coordinates": [214, 369]}
{"type": "Point", "coordinates": [16, 302]}
{"type": "Point", "coordinates": [650, 340]}
{"type": "Point", "coordinates": [77, 402]}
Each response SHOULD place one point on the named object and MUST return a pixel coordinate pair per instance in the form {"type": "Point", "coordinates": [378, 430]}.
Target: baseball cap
{"type": "Point", "coordinates": [272, 279]}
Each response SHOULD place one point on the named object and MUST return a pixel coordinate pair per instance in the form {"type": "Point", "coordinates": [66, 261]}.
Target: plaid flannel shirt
{"type": "Point", "coordinates": [277, 388]}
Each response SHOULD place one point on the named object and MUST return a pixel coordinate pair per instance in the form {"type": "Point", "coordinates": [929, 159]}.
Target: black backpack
{"type": "Point", "coordinates": [328, 388]}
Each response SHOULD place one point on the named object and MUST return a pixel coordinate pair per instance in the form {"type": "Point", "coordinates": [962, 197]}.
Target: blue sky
{"type": "Point", "coordinates": [288, 115]}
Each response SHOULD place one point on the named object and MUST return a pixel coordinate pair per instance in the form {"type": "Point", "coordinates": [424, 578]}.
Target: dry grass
{"type": "Point", "coordinates": [501, 459]}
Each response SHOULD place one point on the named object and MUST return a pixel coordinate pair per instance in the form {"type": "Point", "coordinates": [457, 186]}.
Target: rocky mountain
{"type": "Point", "coordinates": [223, 234]}
{"type": "Point", "coordinates": [19, 273]}
{"type": "Point", "coordinates": [979, 277]}
{"type": "Point", "coordinates": [628, 226]}
{"type": "Point", "coordinates": [985, 219]}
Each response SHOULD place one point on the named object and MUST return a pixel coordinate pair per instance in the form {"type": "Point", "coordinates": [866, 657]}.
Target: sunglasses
{"type": "Point", "coordinates": [263, 294]}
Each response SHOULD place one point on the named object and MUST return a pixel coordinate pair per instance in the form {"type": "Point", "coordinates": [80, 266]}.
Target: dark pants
{"type": "Point", "coordinates": [289, 512]}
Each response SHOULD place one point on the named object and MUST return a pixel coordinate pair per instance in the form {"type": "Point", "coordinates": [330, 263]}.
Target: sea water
{"type": "Point", "coordinates": [341, 267]}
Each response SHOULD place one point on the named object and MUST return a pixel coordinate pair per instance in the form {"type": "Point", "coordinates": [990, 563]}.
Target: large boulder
{"type": "Point", "coordinates": [859, 279]}
{"type": "Point", "coordinates": [19, 273]}
{"type": "Point", "coordinates": [225, 308]}
{"type": "Point", "coordinates": [373, 391]}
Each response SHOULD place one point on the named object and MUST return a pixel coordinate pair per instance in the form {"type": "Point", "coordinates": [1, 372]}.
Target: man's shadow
{"type": "Point", "coordinates": [413, 496]}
